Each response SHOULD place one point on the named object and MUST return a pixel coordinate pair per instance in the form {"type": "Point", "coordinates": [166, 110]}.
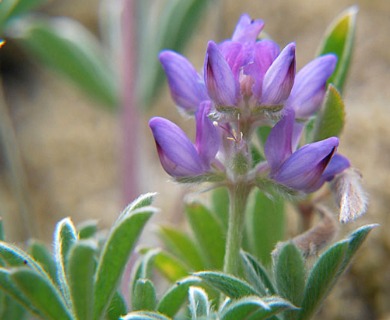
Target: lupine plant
{"type": "Point", "coordinates": [265, 135]}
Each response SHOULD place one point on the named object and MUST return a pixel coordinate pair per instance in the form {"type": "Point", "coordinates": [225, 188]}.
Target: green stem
{"type": "Point", "coordinates": [238, 198]}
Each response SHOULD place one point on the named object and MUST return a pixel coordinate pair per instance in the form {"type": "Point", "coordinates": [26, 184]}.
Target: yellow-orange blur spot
{"type": "Point", "coordinates": [2, 42]}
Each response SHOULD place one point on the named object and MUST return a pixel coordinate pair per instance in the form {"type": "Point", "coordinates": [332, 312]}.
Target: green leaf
{"type": "Point", "coordinates": [41, 254]}
{"type": "Point", "coordinates": [199, 304]}
{"type": "Point", "coordinates": [339, 40]}
{"type": "Point", "coordinates": [8, 286]}
{"type": "Point", "coordinates": [289, 271]}
{"type": "Point", "coordinates": [264, 225]}
{"type": "Point", "coordinates": [257, 275]}
{"type": "Point", "coordinates": [255, 308]}
{"type": "Point", "coordinates": [322, 277]}
{"type": "Point", "coordinates": [329, 267]}
{"type": "Point", "coordinates": [11, 309]}
{"type": "Point", "coordinates": [117, 307]}
{"type": "Point", "coordinates": [66, 46]}
{"type": "Point", "coordinates": [182, 246]}
{"type": "Point", "coordinates": [330, 120]}
{"type": "Point", "coordinates": [65, 236]}
{"type": "Point", "coordinates": [229, 285]}
{"type": "Point", "coordinates": [173, 299]}
{"type": "Point", "coordinates": [144, 295]}
{"type": "Point", "coordinates": [115, 254]}
{"type": "Point", "coordinates": [220, 205]}
{"type": "Point", "coordinates": [41, 292]}
{"type": "Point", "coordinates": [277, 305]}
{"type": "Point", "coordinates": [143, 200]}
{"type": "Point", "coordinates": [144, 315]}
{"type": "Point", "coordinates": [12, 256]}
{"type": "Point", "coordinates": [209, 234]}
{"type": "Point", "coordinates": [355, 240]}
{"type": "Point", "coordinates": [80, 275]}
{"type": "Point", "coordinates": [87, 229]}
{"type": "Point", "coordinates": [244, 308]}
{"type": "Point", "coordinates": [176, 22]}
{"type": "Point", "coordinates": [170, 267]}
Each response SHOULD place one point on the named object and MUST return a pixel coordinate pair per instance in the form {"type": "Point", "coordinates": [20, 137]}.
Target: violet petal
{"type": "Point", "coordinates": [220, 81]}
{"type": "Point", "coordinates": [207, 136]}
{"type": "Point", "coordinates": [178, 155]}
{"type": "Point", "coordinates": [304, 168]}
{"type": "Point", "coordinates": [310, 86]}
{"type": "Point", "coordinates": [186, 85]}
{"type": "Point", "coordinates": [278, 145]}
{"type": "Point", "coordinates": [279, 78]}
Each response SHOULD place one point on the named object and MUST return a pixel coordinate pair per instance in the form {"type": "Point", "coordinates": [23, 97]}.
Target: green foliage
{"type": "Point", "coordinates": [209, 234]}
{"type": "Point", "coordinates": [84, 282]}
{"type": "Point", "coordinates": [339, 40]}
{"type": "Point", "coordinates": [199, 304]}
{"type": "Point", "coordinates": [67, 47]}
{"type": "Point", "coordinates": [227, 284]}
{"type": "Point", "coordinates": [331, 118]}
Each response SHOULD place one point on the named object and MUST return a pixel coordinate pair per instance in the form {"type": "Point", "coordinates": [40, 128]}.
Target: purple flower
{"type": "Point", "coordinates": [186, 85]}
{"type": "Point", "coordinates": [178, 155]}
{"type": "Point", "coordinates": [307, 168]}
{"type": "Point", "coordinates": [310, 86]}
{"type": "Point", "coordinates": [235, 72]}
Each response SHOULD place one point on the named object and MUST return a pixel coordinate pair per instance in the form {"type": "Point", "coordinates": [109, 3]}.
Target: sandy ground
{"type": "Point", "coordinates": [70, 147]}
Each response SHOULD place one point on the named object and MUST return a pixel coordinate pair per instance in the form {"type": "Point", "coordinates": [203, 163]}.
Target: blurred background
{"type": "Point", "coordinates": [64, 153]}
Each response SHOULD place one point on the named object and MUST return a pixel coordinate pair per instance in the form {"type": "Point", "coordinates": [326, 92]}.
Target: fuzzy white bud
{"type": "Point", "coordinates": [350, 196]}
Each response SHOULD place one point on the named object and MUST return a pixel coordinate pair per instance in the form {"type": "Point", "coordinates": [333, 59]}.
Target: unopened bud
{"type": "Point", "coordinates": [350, 196]}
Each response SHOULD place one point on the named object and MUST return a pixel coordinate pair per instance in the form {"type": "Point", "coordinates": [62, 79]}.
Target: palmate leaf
{"type": "Point", "coordinates": [199, 304]}
{"type": "Point", "coordinates": [257, 275]}
{"type": "Point", "coordinates": [41, 292]}
{"type": "Point", "coordinates": [67, 47]}
{"type": "Point", "coordinates": [327, 270]}
{"type": "Point", "coordinates": [8, 286]}
{"type": "Point", "coordinates": [255, 308]}
{"type": "Point", "coordinates": [227, 284]}
{"type": "Point", "coordinates": [40, 253]}
{"type": "Point", "coordinates": [117, 307]}
{"type": "Point", "coordinates": [144, 295]}
{"type": "Point", "coordinates": [13, 256]}
{"type": "Point", "coordinates": [144, 315]}
{"type": "Point", "coordinates": [11, 309]}
{"type": "Point", "coordinates": [290, 275]}
{"type": "Point", "coordinates": [116, 252]}
{"type": "Point", "coordinates": [339, 40]}
{"type": "Point", "coordinates": [171, 302]}
{"type": "Point", "coordinates": [65, 236]}
{"type": "Point", "coordinates": [80, 272]}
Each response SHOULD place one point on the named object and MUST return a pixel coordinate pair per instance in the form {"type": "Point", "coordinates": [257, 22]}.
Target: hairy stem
{"type": "Point", "coordinates": [238, 198]}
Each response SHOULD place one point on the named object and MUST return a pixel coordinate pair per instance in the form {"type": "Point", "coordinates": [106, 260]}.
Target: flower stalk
{"type": "Point", "coordinates": [238, 195]}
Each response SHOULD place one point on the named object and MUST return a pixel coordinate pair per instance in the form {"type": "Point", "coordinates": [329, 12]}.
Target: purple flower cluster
{"type": "Point", "coordinates": [247, 83]}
